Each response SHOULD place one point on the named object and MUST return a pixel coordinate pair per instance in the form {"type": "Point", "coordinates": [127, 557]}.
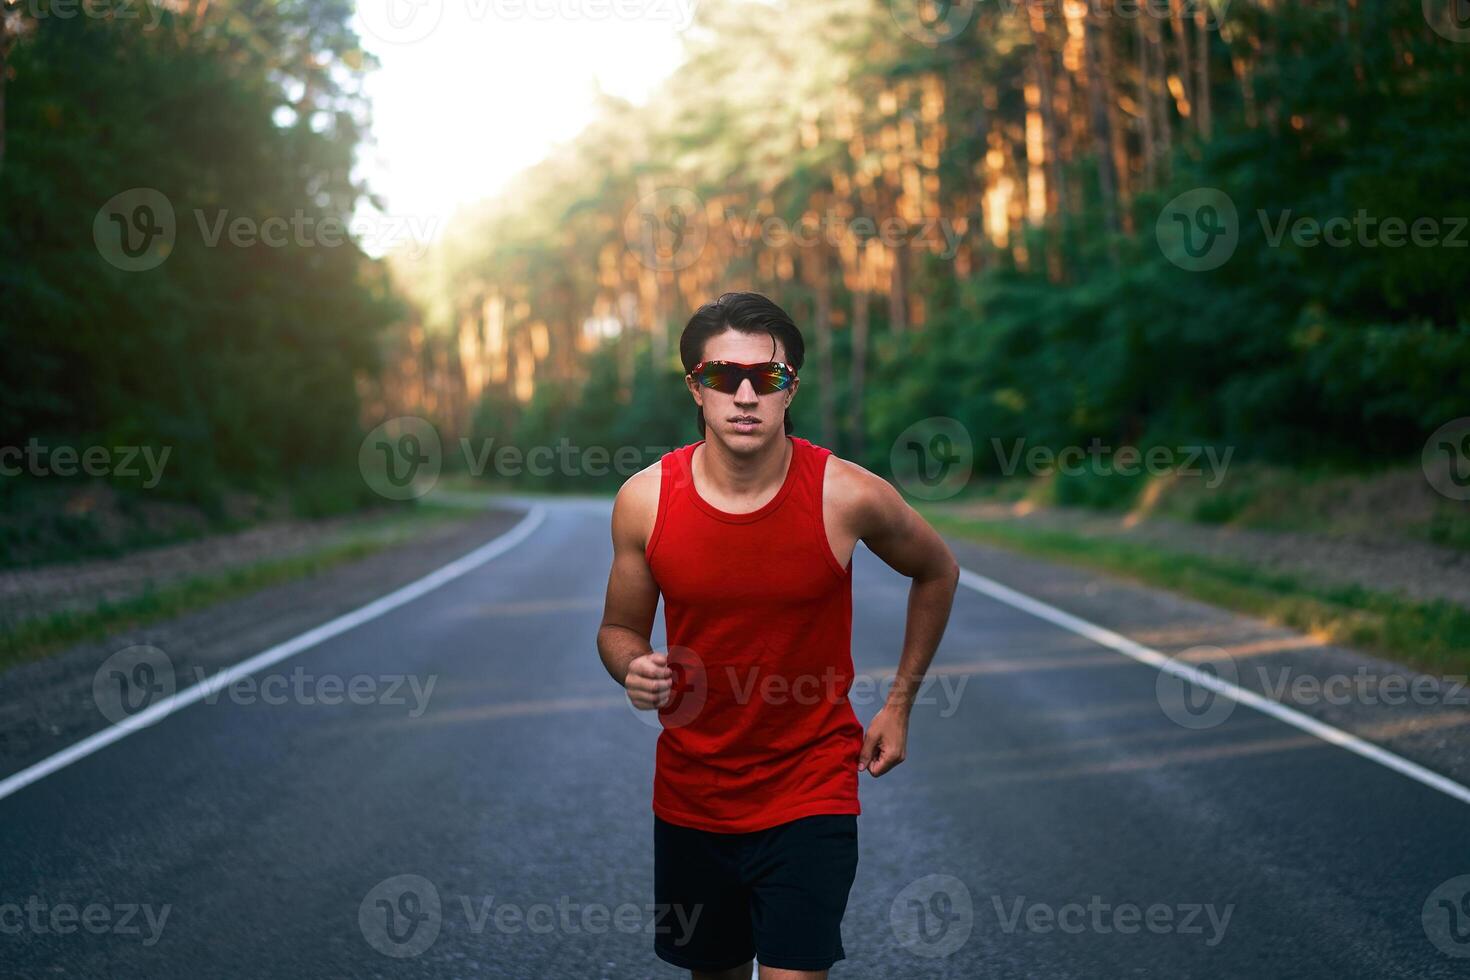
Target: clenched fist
{"type": "Point", "coordinates": [649, 681]}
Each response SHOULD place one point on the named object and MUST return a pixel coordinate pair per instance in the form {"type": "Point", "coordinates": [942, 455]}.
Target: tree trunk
{"type": "Point", "coordinates": [1145, 106]}
{"type": "Point", "coordinates": [821, 281]}
{"type": "Point", "coordinates": [1117, 137]}
{"type": "Point", "coordinates": [858, 370]}
{"type": "Point", "coordinates": [1158, 85]}
{"type": "Point", "coordinates": [1181, 52]}
{"type": "Point", "coordinates": [1056, 196]}
{"type": "Point", "coordinates": [1101, 138]}
{"type": "Point", "coordinates": [1202, 63]}
{"type": "Point", "coordinates": [898, 295]}
{"type": "Point", "coordinates": [6, 42]}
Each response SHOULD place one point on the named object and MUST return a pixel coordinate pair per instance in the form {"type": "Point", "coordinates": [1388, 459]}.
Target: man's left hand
{"type": "Point", "coordinates": [884, 742]}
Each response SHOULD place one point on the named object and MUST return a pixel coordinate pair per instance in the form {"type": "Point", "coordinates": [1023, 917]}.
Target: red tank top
{"type": "Point", "coordinates": [758, 615]}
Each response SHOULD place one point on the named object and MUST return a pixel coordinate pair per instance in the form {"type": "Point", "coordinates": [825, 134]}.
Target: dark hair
{"type": "Point", "coordinates": [748, 313]}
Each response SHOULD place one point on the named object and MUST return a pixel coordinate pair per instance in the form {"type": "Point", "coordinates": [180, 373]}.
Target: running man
{"type": "Point", "coordinates": [748, 534]}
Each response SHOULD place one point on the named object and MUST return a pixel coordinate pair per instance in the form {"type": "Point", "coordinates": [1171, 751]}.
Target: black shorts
{"type": "Point", "coordinates": [776, 894]}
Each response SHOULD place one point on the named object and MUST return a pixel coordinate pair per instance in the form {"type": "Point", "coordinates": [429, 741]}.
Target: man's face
{"type": "Point", "coordinates": [726, 417]}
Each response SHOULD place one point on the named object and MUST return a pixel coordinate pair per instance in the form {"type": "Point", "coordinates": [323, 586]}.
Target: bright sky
{"type": "Point", "coordinates": [470, 92]}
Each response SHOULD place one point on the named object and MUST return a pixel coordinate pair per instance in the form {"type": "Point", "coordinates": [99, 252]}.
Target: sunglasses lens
{"type": "Point", "coordinates": [726, 378]}
{"type": "Point", "coordinates": [770, 379]}
{"type": "Point", "coordinates": [721, 377]}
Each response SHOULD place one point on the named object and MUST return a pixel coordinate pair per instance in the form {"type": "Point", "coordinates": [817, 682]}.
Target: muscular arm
{"type": "Point", "coordinates": [906, 542]}
{"type": "Point", "coordinates": [632, 596]}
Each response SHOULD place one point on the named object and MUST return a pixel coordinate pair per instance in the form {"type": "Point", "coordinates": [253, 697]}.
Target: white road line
{"type": "Point", "coordinates": [1152, 657]}
{"type": "Point", "coordinates": [182, 699]}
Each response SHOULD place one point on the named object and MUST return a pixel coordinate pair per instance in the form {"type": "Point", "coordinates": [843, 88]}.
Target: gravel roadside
{"type": "Point", "coordinates": [48, 704]}
{"type": "Point", "coordinates": [1414, 569]}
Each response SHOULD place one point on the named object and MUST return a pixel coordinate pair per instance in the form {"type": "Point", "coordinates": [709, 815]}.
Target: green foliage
{"type": "Point", "coordinates": [1299, 354]}
{"type": "Point", "coordinates": [242, 358]}
{"type": "Point", "coordinates": [631, 429]}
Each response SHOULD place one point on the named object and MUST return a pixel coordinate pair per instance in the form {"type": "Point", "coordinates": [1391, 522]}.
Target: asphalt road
{"type": "Point", "coordinates": [1051, 819]}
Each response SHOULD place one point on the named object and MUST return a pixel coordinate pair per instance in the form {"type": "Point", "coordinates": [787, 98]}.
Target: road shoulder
{"type": "Point", "coordinates": [48, 704]}
{"type": "Point", "coordinates": [1424, 718]}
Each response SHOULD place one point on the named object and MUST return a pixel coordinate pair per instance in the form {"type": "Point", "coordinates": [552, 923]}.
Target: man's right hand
{"type": "Point", "coordinates": [649, 681]}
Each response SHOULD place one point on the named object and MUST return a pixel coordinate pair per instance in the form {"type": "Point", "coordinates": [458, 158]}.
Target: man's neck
{"type": "Point", "coordinates": [737, 476]}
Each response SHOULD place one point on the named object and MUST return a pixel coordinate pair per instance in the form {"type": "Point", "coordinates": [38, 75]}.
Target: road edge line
{"type": "Point", "coordinates": [155, 713]}
{"type": "Point", "coordinates": [1153, 658]}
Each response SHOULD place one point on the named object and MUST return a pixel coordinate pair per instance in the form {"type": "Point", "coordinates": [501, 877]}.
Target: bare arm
{"type": "Point", "coordinates": [632, 598]}
{"type": "Point", "coordinates": [907, 543]}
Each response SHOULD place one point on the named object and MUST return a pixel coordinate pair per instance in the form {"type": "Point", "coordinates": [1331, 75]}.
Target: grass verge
{"type": "Point", "coordinates": [1430, 635]}
{"type": "Point", "coordinates": [32, 638]}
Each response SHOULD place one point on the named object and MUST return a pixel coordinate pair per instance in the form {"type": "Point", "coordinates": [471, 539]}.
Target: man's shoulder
{"type": "Point", "coordinates": [852, 491]}
{"type": "Point", "coordinates": [635, 508]}
{"type": "Point", "coordinates": [642, 487]}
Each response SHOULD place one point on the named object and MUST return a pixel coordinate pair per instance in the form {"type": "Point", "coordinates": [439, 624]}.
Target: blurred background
{"type": "Point", "coordinates": [300, 299]}
{"type": "Point", "coordinates": [245, 234]}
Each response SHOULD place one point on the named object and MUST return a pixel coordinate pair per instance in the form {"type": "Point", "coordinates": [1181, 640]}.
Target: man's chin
{"type": "Point", "coordinates": [746, 441]}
